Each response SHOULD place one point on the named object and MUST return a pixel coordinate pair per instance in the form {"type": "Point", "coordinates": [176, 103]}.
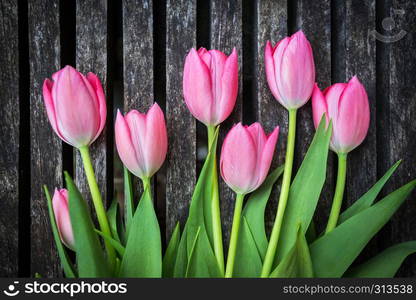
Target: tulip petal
{"type": "Point", "coordinates": [319, 106]}
{"type": "Point", "coordinates": [102, 107]}
{"type": "Point", "coordinates": [267, 156]}
{"type": "Point", "coordinates": [63, 221]}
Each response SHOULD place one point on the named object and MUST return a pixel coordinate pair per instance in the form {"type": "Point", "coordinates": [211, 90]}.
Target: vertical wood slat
{"type": "Point", "coordinates": [91, 56]}
{"type": "Point", "coordinates": [9, 139]}
{"type": "Point", "coordinates": [314, 18]}
{"type": "Point", "coordinates": [46, 147]}
{"type": "Point", "coordinates": [397, 106]}
{"type": "Point", "coordinates": [181, 159]}
{"type": "Point", "coordinates": [271, 22]}
{"type": "Point", "coordinates": [226, 33]}
{"type": "Point", "coordinates": [138, 59]}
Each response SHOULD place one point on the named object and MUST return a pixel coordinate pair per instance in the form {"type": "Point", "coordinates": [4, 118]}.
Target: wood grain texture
{"type": "Point", "coordinates": [271, 23]}
{"type": "Point", "coordinates": [46, 147]}
{"type": "Point", "coordinates": [91, 56]}
{"type": "Point", "coordinates": [226, 32]}
{"type": "Point", "coordinates": [9, 139]}
{"type": "Point", "coordinates": [396, 121]}
{"type": "Point", "coordinates": [180, 37]}
{"type": "Point", "coordinates": [314, 18]}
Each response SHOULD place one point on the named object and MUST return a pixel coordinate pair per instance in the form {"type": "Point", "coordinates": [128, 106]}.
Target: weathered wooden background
{"type": "Point", "coordinates": [138, 47]}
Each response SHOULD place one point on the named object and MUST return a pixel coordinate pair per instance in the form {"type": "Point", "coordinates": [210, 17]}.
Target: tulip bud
{"type": "Point", "coordinates": [142, 141]}
{"type": "Point", "coordinates": [210, 84]}
{"type": "Point", "coordinates": [62, 218]}
{"type": "Point", "coordinates": [246, 156]}
{"type": "Point", "coordinates": [75, 105]}
{"type": "Point", "coordinates": [290, 70]}
{"type": "Point", "coordinates": [346, 104]}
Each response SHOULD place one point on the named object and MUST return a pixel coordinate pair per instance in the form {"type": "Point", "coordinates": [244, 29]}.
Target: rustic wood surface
{"type": "Point", "coordinates": [46, 147]}
{"type": "Point", "coordinates": [91, 56]}
{"type": "Point", "coordinates": [143, 45]}
{"type": "Point", "coordinates": [9, 139]}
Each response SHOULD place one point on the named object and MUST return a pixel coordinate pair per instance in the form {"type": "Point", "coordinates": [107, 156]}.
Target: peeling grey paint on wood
{"type": "Point", "coordinates": [9, 139]}
{"type": "Point", "coordinates": [46, 147]}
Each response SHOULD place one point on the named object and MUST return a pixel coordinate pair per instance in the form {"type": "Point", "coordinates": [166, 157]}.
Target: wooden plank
{"type": "Point", "coordinates": [396, 110]}
{"type": "Point", "coordinates": [9, 139]}
{"type": "Point", "coordinates": [314, 18]}
{"type": "Point", "coordinates": [91, 56]}
{"type": "Point", "coordinates": [46, 147]}
{"type": "Point", "coordinates": [138, 60]}
{"type": "Point", "coordinates": [226, 33]}
{"type": "Point", "coordinates": [181, 160]}
{"type": "Point", "coordinates": [271, 22]}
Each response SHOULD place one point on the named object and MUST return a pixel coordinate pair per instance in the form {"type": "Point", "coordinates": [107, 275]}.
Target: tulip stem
{"type": "Point", "coordinates": [284, 194]}
{"type": "Point", "coordinates": [146, 183]}
{"type": "Point", "coordinates": [234, 235]}
{"type": "Point", "coordinates": [98, 202]}
{"type": "Point", "coordinates": [215, 206]}
{"type": "Point", "coordinates": [339, 192]}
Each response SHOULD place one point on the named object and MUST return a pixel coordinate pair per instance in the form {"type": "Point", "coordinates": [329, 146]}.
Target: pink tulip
{"type": "Point", "coordinates": [346, 104]}
{"type": "Point", "coordinates": [75, 105]}
{"type": "Point", "coordinates": [246, 156]}
{"type": "Point", "coordinates": [142, 141]}
{"type": "Point", "coordinates": [210, 84]}
{"type": "Point", "coordinates": [290, 70]}
{"type": "Point", "coordinates": [63, 221]}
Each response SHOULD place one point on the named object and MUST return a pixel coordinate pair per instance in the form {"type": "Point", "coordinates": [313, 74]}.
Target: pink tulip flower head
{"type": "Point", "coordinates": [246, 155]}
{"type": "Point", "coordinates": [290, 70]}
{"type": "Point", "coordinates": [62, 218]}
{"type": "Point", "coordinates": [346, 104]}
{"type": "Point", "coordinates": [142, 141]}
{"type": "Point", "coordinates": [210, 84]}
{"type": "Point", "coordinates": [75, 105]}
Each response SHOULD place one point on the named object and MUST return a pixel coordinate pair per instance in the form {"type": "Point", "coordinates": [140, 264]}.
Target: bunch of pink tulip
{"type": "Point", "coordinates": [76, 109]}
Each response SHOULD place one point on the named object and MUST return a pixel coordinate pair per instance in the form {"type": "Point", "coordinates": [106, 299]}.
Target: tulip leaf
{"type": "Point", "coordinates": [305, 190]}
{"type": "Point", "coordinates": [248, 261]}
{"type": "Point", "coordinates": [143, 254]}
{"type": "Point", "coordinates": [63, 255]}
{"type": "Point", "coordinates": [368, 198]}
{"type": "Point", "coordinates": [297, 262]}
{"type": "Point", "coordinates": [128, 199]}
{"type": "Point", "coordinates": [116, 244]}
{"type": "Point", "coordinates": [252, 241]}
{"type": "Point", "coordinates": [334, 252]}
{"type": "Point", "coordinates": [171, 253]}
{"type": "Point", "coordinates": [113, 216]}
{"type": "Point", "coordinates": [90, 256]}
{"type": "Point", "coordinates": [385, 264]}
{"type": "Point", "coordinates": [199, 251]}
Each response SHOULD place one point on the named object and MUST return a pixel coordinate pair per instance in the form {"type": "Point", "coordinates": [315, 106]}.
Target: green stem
{"type": "Point", "coordinates": [98, 202]}
{"type": "Point", "coordinates": [215, 206]}
{"type": "Point", "coordinates": [284, 193]}
{"type": "Point", "coordinates": [339, 192]}
{"type": "Point", "coordinates": [146, 183]}
{"type": "Point", "coordinates": [234, 235]}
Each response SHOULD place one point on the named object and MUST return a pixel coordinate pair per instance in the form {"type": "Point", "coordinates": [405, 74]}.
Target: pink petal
{"type": "Point", "coordinates": [102, 106]}
{"type": "Point", "coordinates": [319, 106]}
{"type": "Point", "coordinates": [266, 156]}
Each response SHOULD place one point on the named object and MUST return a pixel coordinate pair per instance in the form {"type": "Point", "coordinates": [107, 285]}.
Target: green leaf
{"type": "Point", "coordinates": [252, 241]}
{"type": "Point", "coordinates": [368, 198]}
{"type": "Point", "coordinates": [248, 262]}
{"type": "Point", "coordinates": [116, 244]}
{"type": "Point", "coordinates": [297, 262]}
{"type": "Point", "coordinates": [255, 207]}
{"type": "Point", "coordinates": [143, 254]}
{"type": "Point", "coordinates": [128, 199]}
{"type": "Point", "coordinates": [171, 253]}
{"type": "Point", "coordinates": [90, 256]}
{"type": "Point", "coordinates": [63, 255]}
{"type": "Point", "coordinates": [385, 264]}
{"type": "Point", "coordinates": [114, 219]}
{"type": "Point", "coordinates": [204, 263]}
{"type": "Point", "coordinates": [305, 190]}
{"type": "Point", "coordinates": [334, 252]}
